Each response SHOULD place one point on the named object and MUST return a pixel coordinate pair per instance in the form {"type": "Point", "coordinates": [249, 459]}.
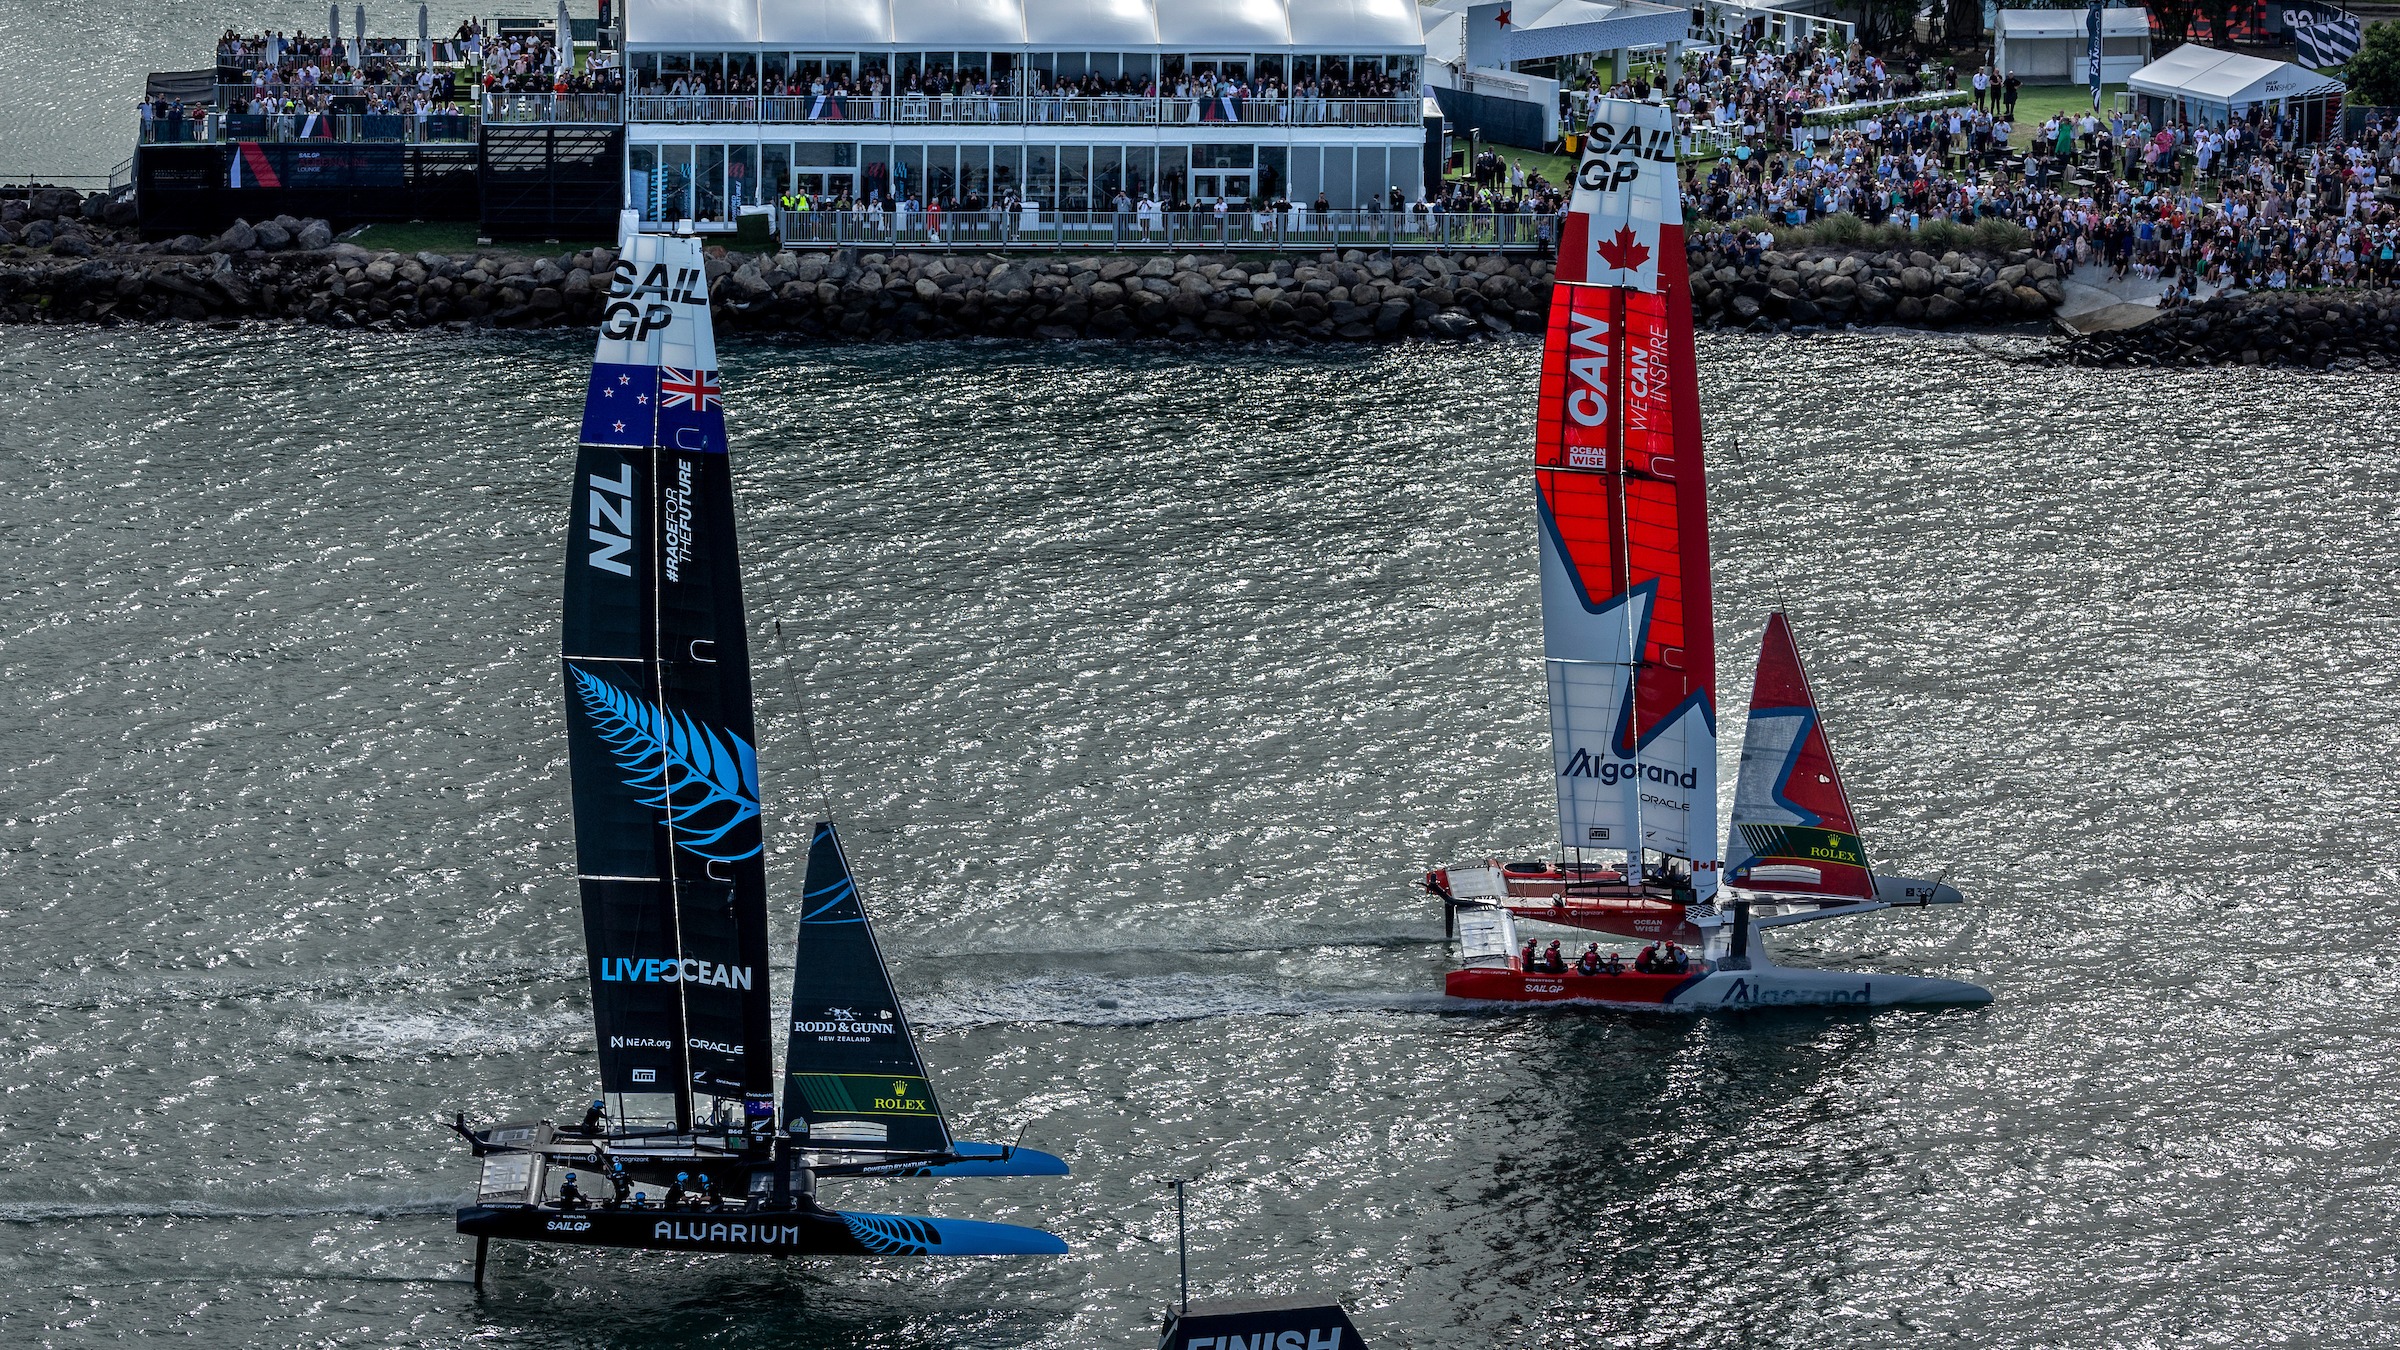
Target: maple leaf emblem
{"type": "Point", "coordinates": [1624, 252]}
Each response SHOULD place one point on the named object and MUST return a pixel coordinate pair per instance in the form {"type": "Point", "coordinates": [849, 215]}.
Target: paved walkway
{"type": "Point", "coordinates": [2099, 303]}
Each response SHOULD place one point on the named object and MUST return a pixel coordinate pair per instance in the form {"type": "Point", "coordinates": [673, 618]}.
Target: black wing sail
{"type": "Point", "coordinates": [660, 729]}
{"type": "Point", "coordinates": [853, 1078]}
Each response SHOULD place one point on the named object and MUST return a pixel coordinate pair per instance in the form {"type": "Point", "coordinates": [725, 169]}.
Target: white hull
{"type": "Point", "coordinates": [1767, 985]}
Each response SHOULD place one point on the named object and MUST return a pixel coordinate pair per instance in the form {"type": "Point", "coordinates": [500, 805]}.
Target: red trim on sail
{"type": "Point", "coordinates": [1617, 439]}
{"type": "Point", "coordinates": [1810, 782]}
{"type": "Point", "coordinates": [1813, 784]}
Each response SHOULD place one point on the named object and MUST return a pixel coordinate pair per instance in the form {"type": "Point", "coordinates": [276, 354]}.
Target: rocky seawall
{"type": "Point", "coordinates": [62, 261]}
{"type": "Point", "coordinates": [2345, 330]}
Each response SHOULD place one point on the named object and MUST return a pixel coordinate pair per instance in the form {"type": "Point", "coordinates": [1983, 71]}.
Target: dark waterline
{"type": "Point", "coordinates": [1143, 685]}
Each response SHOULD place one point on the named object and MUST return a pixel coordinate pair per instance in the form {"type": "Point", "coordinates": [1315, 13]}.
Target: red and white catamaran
{"type": "Point", "coordinates": [1630, 640]}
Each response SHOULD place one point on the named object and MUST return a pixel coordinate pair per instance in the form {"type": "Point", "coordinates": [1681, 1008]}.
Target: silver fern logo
{"type": "Point", "coordinates": [705, 780]}
{"type": "Point", "coordinates": [892, 1234]}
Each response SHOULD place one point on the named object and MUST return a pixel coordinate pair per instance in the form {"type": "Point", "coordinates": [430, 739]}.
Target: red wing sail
{"type": "Point", "coordinates": [1792, 828]}
{"type": "Point", "coordinates": [1627, 623]}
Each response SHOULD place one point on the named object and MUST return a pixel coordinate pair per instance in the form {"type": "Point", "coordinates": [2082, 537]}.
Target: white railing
{"type": "Point", "coordinates": [1723, 22]}
{"type": "Point", "coordinates": [1044, 229]}
{"type": "Point", "coordinates": [1025, 110]}
{"type": "Point", "coordinates": [604, 108]}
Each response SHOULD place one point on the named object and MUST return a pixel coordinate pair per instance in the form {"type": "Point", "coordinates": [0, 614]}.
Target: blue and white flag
{"type": "Point", "coordinates": [2092, 24]}
{"type": "Point", "coordinates": [2324, 35]}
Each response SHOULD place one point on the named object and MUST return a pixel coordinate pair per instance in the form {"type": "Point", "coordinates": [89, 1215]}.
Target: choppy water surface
{"type": "Point", "coordinates": [1145, 681]}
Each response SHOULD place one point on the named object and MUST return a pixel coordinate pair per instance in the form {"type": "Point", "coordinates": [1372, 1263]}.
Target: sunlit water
{"type": "Point", "coordinates": [1144, 681]}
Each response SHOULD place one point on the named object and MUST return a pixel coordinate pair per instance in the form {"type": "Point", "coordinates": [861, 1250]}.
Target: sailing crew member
{"type": "Point", "coordinates": [1554, 960]}
{"type": "Point", "coordinates": [676, 1195]}
{"type": "Point", "coordinates": [1675, 959]}
{"type": "Point", "coordinates": [1646, 961]}
{"type": "Point", "coordinates": [618, 1182]}
{"type": "Point", "coordinates": [1588, 964]}
{"type": "Point", "coordinates": [592, 1117]}
{"type": "Point", "coordinates": [708, 1192]}
{"type": "Point", "coordinates": [570, 1195]}
{"type": "Point", "coordinates": [1527, 961]}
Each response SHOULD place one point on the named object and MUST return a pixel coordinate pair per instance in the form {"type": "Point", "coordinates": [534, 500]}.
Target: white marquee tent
{"type": "Point", "coordinates": [2202, 84]}
{"type": "Point", "coordinates": [1360, 27]}
{"type": "Point", "coordinates": [2051, 46]}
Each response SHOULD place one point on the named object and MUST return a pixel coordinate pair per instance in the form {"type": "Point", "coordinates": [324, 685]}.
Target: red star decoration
{"type": "Point", "coordinates": [1625, 252]}
{"type": "Point", "coordinates": [1503, 16]}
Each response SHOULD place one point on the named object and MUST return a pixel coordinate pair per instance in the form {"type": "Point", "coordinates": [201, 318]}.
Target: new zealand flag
{"type": "Point", "coordinates": [621, 407]}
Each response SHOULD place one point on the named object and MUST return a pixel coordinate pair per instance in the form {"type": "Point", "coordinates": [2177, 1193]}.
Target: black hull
{"type": "Point", "coordinates": [797, 1232]}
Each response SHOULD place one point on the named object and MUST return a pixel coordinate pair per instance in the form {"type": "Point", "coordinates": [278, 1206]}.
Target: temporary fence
{"type": "Point", "coordinates": [1167, 230]}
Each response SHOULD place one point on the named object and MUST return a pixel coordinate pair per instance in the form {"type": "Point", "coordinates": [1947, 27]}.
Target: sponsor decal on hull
{"type": "Point", "coordinates": [1749, 993]}
{"type": "Point", "coordinates": [761, 1234]}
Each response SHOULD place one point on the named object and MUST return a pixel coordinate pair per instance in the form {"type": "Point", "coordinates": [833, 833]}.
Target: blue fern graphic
{"type": "Point", "coordinates": [706, 781]}
{"type": "Point", "coordinates": [892, 1234]}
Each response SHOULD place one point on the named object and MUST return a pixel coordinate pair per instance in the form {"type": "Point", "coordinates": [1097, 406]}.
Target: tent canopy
{"type": "Point", "coordinates": [2068, 23]}
{"type": "Point", "coordinates": [2204, 75]}
{"type": "Point", "coordinates": [1230, 26]}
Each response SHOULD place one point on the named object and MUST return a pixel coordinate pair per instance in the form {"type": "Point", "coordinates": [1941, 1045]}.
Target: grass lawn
{"type": "Point", "coordinates": [2038, 102]}
{"type": "Point", "coordinates": [456, 237]}
{"type": "Point", "coordinates": [1554, 168]}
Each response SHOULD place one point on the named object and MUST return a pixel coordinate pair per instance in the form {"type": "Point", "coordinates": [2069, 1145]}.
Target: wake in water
{"type": "Point", "coordinates": [84, 1211]}
{"type": "Point", "coordinates": [1130, 1001]}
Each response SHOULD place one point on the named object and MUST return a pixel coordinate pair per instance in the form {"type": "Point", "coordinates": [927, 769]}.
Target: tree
{"type": "Point", "coordinates": [1966, 22]}
{"type": "Point", "coordinates": [1884, 21]}
{"type": "Point", "coordinates": [2220, 21]}
{"type": "Point", "coordinates": [2174, 20]}
{"type": "Point", "coordinates": [2374, 73]}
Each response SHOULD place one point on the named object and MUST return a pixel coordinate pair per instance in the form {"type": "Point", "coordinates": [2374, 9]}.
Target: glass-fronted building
{"type": "Point", "coordinates": [1064, 104]}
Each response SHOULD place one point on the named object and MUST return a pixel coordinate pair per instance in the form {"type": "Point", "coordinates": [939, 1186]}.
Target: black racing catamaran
{"type": "Point", "coordinates": [682, 1150]}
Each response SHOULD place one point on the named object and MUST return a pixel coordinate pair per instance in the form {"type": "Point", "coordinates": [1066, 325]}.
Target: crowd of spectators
{"type": "Point", "coordinates": [2254, 203]}
{"type": "Point", "coordinates": [294, 73]}
{"type": "Point", "coordinates": [1314, 94]}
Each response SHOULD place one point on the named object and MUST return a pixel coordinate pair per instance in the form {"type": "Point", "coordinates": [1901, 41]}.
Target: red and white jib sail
{"type": "Point", "coordinates": [1627, 625]}
{"type": "Point", "coordinates": [1792, 827]}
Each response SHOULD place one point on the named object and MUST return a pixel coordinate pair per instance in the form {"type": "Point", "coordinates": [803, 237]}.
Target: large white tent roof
{"type": "Point", "coordinates": [1229, 26]}
{"type": "Point", "coordinates": [2068, 23]}
{"type": "Point", "coordinates": [2205, 75]}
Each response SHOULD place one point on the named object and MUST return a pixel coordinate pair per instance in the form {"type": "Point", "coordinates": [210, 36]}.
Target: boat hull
{"type": "Point", "coordinates": [812, 1232]}
{"type": "Point", "coordinates": [1763, 985]}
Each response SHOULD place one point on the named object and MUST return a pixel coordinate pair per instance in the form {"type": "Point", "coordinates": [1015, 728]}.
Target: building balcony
{"type": "Point", "coordinates": [961, 110]}
{"type": "Point", "coordinates": [554, 109]}
{"type": "Point", "coordinates": [212, 128]}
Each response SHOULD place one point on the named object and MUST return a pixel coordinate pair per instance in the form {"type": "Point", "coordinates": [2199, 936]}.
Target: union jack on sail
{"type": "Point", "coordinates": [693, 389]}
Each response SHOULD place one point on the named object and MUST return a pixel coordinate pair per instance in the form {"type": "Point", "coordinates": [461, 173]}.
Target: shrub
{"type": "Point", "coordinates": [1993, 234]}
{"type": "Point", "coordinates": [1942, 236]}
{"type": "Point", "coordinates": [1840, 229]}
